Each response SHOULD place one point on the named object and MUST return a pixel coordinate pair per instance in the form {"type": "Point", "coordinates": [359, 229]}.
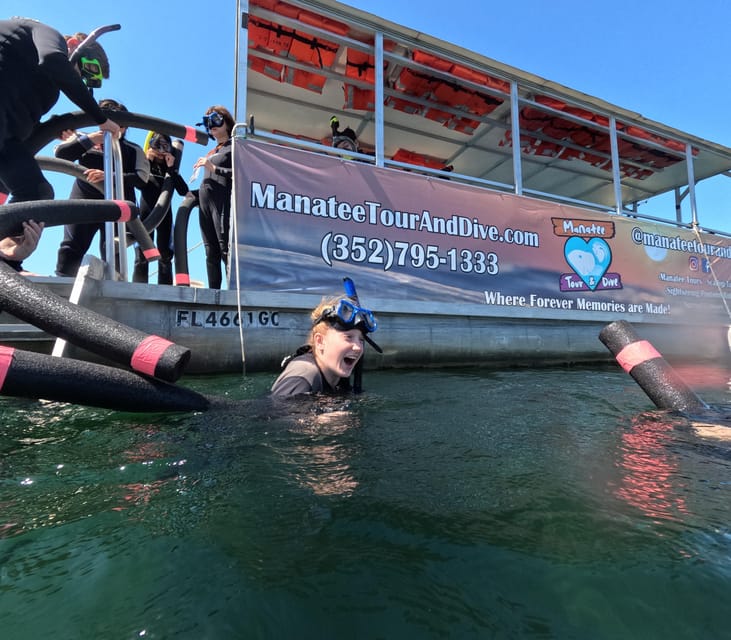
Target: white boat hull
{"type": "Point", "coordinates": [275, 324]}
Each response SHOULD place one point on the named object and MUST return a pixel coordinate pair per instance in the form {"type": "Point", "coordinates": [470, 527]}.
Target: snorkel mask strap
{"type": "Point", "coordinates": [350, 291]}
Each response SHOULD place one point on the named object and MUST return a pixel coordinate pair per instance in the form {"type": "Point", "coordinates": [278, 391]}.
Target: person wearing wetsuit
{"type": "Point", "coordinates": [34, 70]}
{"type": "Point", "coordinates": [214, 195]}
{"type": "Point", "coordinates": [160, 154]}
{"type": "Point", "coordinates": [302, 375]}
{"type": "Point", "coordinates": [88, 149]}
{"type": "Point", "coordinates": [323, 366]}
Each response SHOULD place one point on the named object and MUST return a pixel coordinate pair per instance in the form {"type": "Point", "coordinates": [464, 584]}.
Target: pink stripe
{"type": "Point", "coordinates": [148, 354]}
{"type": "Point", "coordinates": [182, 278]}
{"type": "Point", "coordinates": [636, 353]}
{"type": "Point", "coordinates": [190, 134]}
{"type": "Point", "coordinates": [6, 359]}
{"type": "Point", "coordinates": [125, 213]}
{"type": "Point", "coordinates": [151, 254]}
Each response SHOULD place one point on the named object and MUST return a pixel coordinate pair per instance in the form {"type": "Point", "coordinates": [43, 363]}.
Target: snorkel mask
{"type": "Point", "coordinates": [350, 316]}
{"type": "Point", "coordinates": [91, 72]}
{"type": "Point", "coordinates": [160, 144]}
{"type": "Point", "coordinates": [347, 314]}
{"type": "Point", "coordinates": [210, 120]}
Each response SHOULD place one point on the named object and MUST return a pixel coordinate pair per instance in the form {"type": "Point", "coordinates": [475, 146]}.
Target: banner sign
{"type": "Point", "coordinates": [306, 220]}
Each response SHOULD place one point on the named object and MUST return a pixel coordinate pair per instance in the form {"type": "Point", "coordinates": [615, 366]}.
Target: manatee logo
{"type": "Point", "coordinates": [589, 259]}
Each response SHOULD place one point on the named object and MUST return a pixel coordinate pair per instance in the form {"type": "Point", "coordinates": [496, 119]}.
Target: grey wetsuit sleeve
{"type": "Point", "coordinates": [300, 376]}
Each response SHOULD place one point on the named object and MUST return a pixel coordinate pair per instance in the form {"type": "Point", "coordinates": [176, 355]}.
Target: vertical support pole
{"type": "Point", "coordinates": [614, 146]}
{"type": "Point", "coordinates": [691, 184]}
{"type": "Point", "coordinates": [241, 64]}
{"type": "Point", "coordinates": [379, 98]}
{"type": "Point", "coordinates": [121, 226]}
{"type": "Point", "coordinates": [109, 195]}
{"type": "Point", "coordinates": [515, 124]}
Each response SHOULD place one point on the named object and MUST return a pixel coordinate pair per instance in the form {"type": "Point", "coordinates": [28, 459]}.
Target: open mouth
{"type": "Point", "coordinates": [350, 360]}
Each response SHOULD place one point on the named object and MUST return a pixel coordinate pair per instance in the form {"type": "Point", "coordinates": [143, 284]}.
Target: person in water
{"type": "Point", "coordinates": [324, 365]}
{"type": "Point", "coordinates": [34, 70]}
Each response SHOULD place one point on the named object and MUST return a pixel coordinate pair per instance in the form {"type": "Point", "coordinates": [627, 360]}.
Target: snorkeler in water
{"type": "Point", "coordinates": [334, 351]}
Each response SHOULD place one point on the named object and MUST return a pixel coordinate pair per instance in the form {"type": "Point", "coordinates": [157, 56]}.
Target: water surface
{"type": "Point", "coordinates": [439, 504]}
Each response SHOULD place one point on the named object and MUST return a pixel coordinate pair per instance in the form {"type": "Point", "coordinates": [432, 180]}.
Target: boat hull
{"type": "Point", "coordinates": [252, 332]}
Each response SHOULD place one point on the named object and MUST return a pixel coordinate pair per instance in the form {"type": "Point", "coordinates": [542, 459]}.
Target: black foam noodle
{"type": "Point", "coordinates": [159, 211]}
{"type": "Point", "coordinates": [92, 331]}
{"type": "Point", "coordinates": [35, 375]}
{"type": "Point", "coordinates": [142, 236]}
{"type": "Point", "coordinates": [660, 382]}
{"type": "Point", "coordinates": [51, 129]}
{"type": "Point", "coordinates": [59, 212]}
{"type": "Point", "coordinates": [180, 233]}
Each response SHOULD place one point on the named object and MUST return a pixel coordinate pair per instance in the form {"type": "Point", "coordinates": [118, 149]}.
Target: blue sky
{"type": "Point", "coordinates": [665, 59]}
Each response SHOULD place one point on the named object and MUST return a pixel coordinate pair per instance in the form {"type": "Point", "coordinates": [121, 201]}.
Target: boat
{"type": "Point", "coordinates": [488, 216]}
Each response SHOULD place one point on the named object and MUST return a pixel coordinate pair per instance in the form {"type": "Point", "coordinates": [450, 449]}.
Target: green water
{"type": "Point", "coordinates": [440, 504]}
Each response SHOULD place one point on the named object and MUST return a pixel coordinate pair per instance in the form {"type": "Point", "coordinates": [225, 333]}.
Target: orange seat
{"type": "Point", "coordinates": [481, 78]}
{"type": "Point", "coordinates": [431, 60]}
{"type": "Point", "coordinates": [361, 66]}
{"type": "Point", "coordinates": [359, 98]}
{"type": "Point", "coordinates": [304, 79]}
{"type": "Point", "coordinates": [404, 105]}
{"type": "Point", "coordinates": [420, 159]}
{"type": "Point", "coordinates": [273, 70]}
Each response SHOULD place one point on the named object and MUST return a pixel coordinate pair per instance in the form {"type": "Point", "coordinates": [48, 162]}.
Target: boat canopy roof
{"type": "Point", "coordinates": [418, 103]}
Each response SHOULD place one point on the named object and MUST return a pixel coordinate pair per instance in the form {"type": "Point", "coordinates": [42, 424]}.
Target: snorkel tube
{"type": "Point", "coordinates": [90, 39]}
{"type": "Point", "coordinates": [351, 292]}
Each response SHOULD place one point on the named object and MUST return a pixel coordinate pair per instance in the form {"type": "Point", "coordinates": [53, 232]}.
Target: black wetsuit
{"type": "Point", "coordinates": [34, 69]}
{"type": "Point", "coordinates": [302, 375]}
{"type": "Point", "coordinates": [214, 198]}
{"type": "Point", "coordinates": [77, 237]}
{"type": "Point", "coordinates": [149, 194]}
{"type": "Point", "coordinates": [17, 265]}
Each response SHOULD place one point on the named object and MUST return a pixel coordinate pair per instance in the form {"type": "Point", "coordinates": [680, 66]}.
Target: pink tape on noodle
{"type": "Point", "coordinates": [125, 213]}
{"type": "Point", "coordinates": [182, 278]}
{"type": "Point", "coordinates": [148, 354]}
{"type": "Point", "coordinates": [151, 254]}
{"type": "Point", "coordinates": [190, 134]}
{"type": "Point", "coordinates": [6, 359]}
{"type": "Point", "coordinates": [636, 353]}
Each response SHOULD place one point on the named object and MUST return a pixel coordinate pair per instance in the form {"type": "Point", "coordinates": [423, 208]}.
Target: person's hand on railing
{"type": "Point", "coordinates": [94, 176]}
{"type": "Point", "coordinates": [111, 126]}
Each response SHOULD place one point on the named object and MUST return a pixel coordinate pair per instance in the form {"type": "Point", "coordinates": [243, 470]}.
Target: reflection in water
{"type": "Point", "coordinates": [649, 469]}
{"type": "Point", "coordinates": [461, 504]}
{"type": "Point", "coordinates": [319, 460]}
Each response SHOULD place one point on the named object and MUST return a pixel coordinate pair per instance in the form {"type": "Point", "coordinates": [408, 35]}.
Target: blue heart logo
{"type": "Point", "coordinates": [589, 259]}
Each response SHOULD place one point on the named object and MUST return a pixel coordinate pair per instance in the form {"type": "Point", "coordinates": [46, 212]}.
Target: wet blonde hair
{"type": "Point", "coordinates": [321, 327]}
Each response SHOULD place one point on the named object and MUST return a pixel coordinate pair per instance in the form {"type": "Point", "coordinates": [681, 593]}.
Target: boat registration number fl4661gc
{"type": "Point", "coordinates": [225, 318]}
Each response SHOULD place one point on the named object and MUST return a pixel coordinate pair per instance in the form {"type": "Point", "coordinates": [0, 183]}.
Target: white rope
{"type": "Point", "coordinates": [234, 239]}
{"type": "Point", "coordinates": [710, 267]}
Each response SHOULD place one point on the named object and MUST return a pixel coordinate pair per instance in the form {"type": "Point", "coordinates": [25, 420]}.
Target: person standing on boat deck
{"type": "Point", "coordinates": [88, 149]}
{"type": "Point", "coordinates": [162, 163]}
{"type": "Point", "coordinates": [15, 249]}
{"type": "Point", "coordinates": [214, 195]}
{"type": "Point", "coordinates": [339, 331]}
{"type": "Point", "coordinates": [34, 70]}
